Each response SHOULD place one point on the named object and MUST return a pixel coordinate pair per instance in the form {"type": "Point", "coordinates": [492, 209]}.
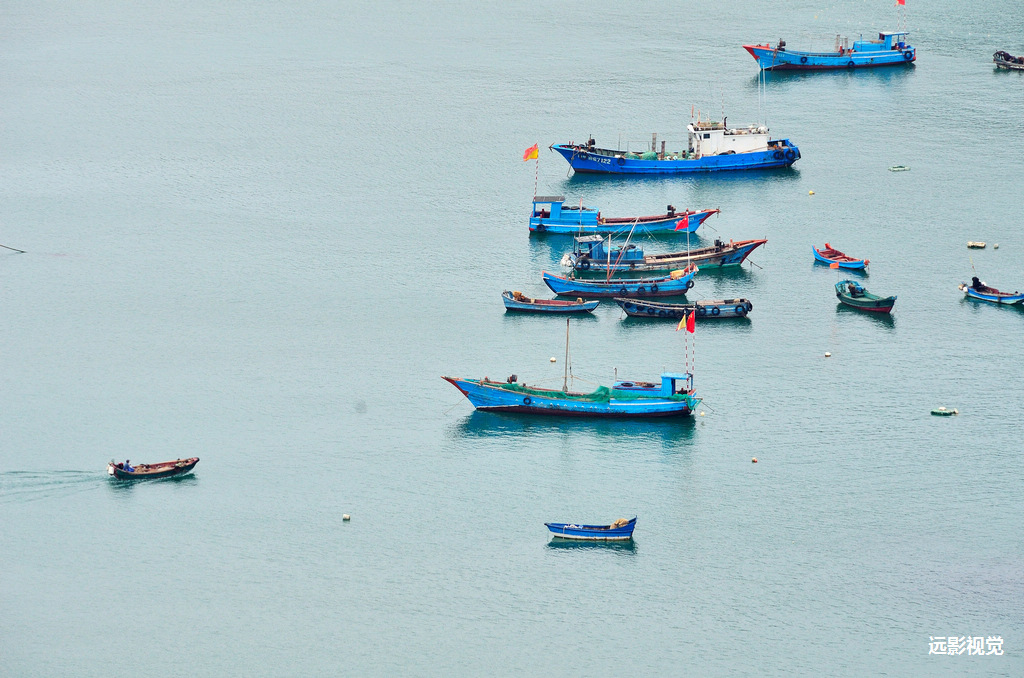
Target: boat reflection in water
{"type": "Point", "coordinates": [625, 547]}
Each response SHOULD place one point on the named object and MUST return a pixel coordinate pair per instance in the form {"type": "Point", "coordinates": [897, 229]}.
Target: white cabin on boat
{"type": "Point", "coordinates": [714, 138]}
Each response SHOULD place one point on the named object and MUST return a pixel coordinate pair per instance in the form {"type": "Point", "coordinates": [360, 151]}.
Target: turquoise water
{"type": "Point", "coordinates": [260, 235]}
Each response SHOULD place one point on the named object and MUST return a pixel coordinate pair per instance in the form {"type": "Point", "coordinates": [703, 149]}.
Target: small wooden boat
{"type": "Point", "coordinates": [976, 245]}
{"type": "Point", "coordinates": [945, 412]}
{"type": "Point", "coordinates": [979, 290]}
{"type": "Point", "coordinates": [899, 168]}
{"type": "Point", "coordinates": [590, 253]}
{"type": "Point", "coordinates": [1008, 61]}
{"type": "Point", "coordinates": [517, 301]}
{"type": "Point", "coordinates": [163, 469]}
{"type": "Point", "coordinates": [620, 530]}
{"type": "Point", "coordinates": [707, 309]}
{"type": "Point", "coordinates": [891, 49]}
{"type": "Point", "coordinates": [551, 215]}
{"type": "Point", "coordinates": [854, 295]}
{"type": "Point", "coordinates": [674, 284]}
{"type": "Point", "coordinates": [830, 255]}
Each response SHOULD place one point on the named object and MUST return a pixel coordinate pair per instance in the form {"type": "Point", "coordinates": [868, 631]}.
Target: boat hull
{"type": "Point", "coordinates": [604, 161]}
{"type": "Point", "coordinates": [551, 306]}
{"type": "Point", "coordinates": [864, 301]}
{"type": "Point", "coordinates": [493, 398]}
{"type": "Point", "coordinates": [684, 222]}
{"type": "Point", "coordinates": [592, 532]}
{"type": "Point", "coordinates": [771, 59]}
{"type": "Point", "coordinates": [640, 287]}
{"type": "Point", "coordinates": [704, 310]}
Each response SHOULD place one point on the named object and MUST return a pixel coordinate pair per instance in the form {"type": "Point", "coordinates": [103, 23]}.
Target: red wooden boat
{"type": "Point", "coordinates": [829, 255]}
{"type": "Point", "coordinates": [164, 469]}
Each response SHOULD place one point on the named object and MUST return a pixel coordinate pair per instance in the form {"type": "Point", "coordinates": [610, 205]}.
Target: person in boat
{"type": "Point", "coordinates": [128, 466]}
{"type": "Point", "coordinates": [977, 284]}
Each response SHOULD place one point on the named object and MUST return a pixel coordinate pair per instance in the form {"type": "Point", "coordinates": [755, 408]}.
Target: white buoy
{"type": "Point", "coordinates": [702, 414]}
{"type": "Point", "coordinates": [996, 246]}
{"type": "Point", "coordinates": [828, 354]}
{"type": "Point", "coordinates": [345, 516]}
{"type": "Point", "coordinates": [553, 360]}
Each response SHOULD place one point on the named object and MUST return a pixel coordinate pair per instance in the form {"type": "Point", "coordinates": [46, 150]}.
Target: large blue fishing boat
{"type": "Point", "coordinates": [590, 253]}
{"type": "Point", "coordinates": [551, 215]}
{"type": "Point", "coordinates": [674, 397]}
{"type": "Point", "coordinates": [711, 147]}
{"type": "Point", "coordinates": [674, 284]}
{"type": "Point", "coordinates": [891, 49]}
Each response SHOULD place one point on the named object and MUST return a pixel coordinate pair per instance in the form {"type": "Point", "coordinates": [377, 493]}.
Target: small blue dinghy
{"type": "Point", "coordinates": [620, 530]}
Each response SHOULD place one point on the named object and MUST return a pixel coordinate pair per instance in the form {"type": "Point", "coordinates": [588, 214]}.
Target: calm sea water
{"type": "Point", "coordinates": [260, 235]}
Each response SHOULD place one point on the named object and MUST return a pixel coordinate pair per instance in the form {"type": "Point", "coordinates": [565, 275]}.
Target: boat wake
{"type": "Point", "coordinates": [23, 486]}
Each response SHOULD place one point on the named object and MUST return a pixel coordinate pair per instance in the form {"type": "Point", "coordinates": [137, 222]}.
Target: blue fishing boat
{"type": "Point", "coordinates": [836, 259]}
{"type": "Point", "coordinates": [674, 284]}
{"type": "Point", "coordinates": [620, 530]}
{"type": "Point", "coordinates": [707, 309]}
{"type": "Point", "coordinates": [891, 49]}
{"type": "Point", "coordinates": [979, 290]}
{"type": "Point", "coordinates": [711, 147]}
{"type": "Point", "coordinates": [674, 397]}
{"type": "Point", "coordinates": [517, 301]}
{"type": "Point", "coordinates": [551, 215]}
{"type": "Point", "coordinates": [590, 253]}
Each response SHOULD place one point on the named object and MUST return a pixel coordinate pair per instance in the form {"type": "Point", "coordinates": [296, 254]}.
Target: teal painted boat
{"type": "Point", "coordinates": [854, 295]}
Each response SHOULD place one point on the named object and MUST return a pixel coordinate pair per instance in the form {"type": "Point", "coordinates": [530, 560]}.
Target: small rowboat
{"type": "Point", "coordinates": [854, 295]}
{"type": "Point", "coordinates": [673, 284]}
{"type": "Point", "coordinates": [1006, 60]}
{"type": "Point", "coordinates": [944, 412]}
{"type": "Point", "coordinates": [706, 309]}
{"type": "Point", "coordinates": [830, 255]}
{"type": "Point", "coordinates": [979, 290]}
{"type": "Point", "coordinates": [517, 301]}
{"type": "Point", "coordinates": [975, 245]}
{"type": "Point", "coordinates": [620, 530]}
{"type": "Point", "coordinates": [163, 469]}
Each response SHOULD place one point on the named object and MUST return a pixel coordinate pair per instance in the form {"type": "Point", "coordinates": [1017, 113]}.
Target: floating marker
{"type": "Point", "coordinates": [828, 354]}
{"type": "Point", "coordinates": [810, 192]}
{"type": "Point", "coordinates": [754, 460]}
{"type": "Point", "coordinates": [996, 246]}
{"type": "Point", "coordinates": [346, 516]}
{"type": "Point", "coordinates": [702, 414]}
{"type": "Point", "coordinates": [553, 360]}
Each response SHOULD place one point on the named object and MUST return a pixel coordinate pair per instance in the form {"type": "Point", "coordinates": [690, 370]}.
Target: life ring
{"type": "Point", "coordinates": [777, 155]}
{"type": "Point", "coordinates": [715, 310]}
{"type": "Point", "coordinates": [527, 400]}
{"type": "Point", "coordinates": [803, 60]}
{"type": "Point", "coordinates": [689, 284]}
{"type": "Point", "coordinates": [908, 55]}
{"type": "Point", "coordinates": [791, 155]}
{"type": "Point", "coordinates": [621, 161]}
{"type": "Point", "coordinates": [623, 291]}
{"type": "Point", "coordinates": [641, 290]}
{"type": "Point", "coordinates": [850, 64]}
{"type": "Point", "coordinates": [741, 310]}
{"type": "Point", "coordinates": [584, 265]}
{"type": "Point", "coordinates": [654, 288]}
{"type": "Point", "coordinates": [701, 311]}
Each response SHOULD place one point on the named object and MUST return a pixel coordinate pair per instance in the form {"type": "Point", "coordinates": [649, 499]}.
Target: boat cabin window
{"type": "Point", "coordinates": [707, 136]}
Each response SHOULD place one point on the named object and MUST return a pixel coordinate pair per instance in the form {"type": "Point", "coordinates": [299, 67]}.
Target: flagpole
{"type": "Point", "coordinates": [536, 175]}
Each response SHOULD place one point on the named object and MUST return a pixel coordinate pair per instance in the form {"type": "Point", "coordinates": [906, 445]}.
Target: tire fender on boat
{"type": "Point", "coordinates": [641, 290]}
{"type": "Point", "coordinates": [791, 155]}
{"type": "Point", "coordinates": [527, 400]}
{"type": "Point", "coordinates": [803, 60]}
{"type": "Point", "coordinates": [741, 310]}
{"type": "Point", "coordinates": [908, 55]}
{"type": "Point", "coordinates": [621, 161]}
{"type": "Point", "coordinates": [623, 291]}
{"type": "Point", "coordinates": [850, 64]}
{"type": "Point", "coordinates": [689, 284]}
{"type": "Point", "coordinates": [702, 311]}
{"type": "Point", "coordinates": [715, 310]}
{"type": "Point", "coordinates": [777, 155]}
{"type": "Point", "coordinates": [654, 288]}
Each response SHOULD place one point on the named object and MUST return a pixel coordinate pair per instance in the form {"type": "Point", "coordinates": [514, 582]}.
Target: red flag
{"type": "Point", "coordinates": [691, 322]}
{"type": "Point", "coordinates": [901, 2]}
{"type": "Point", "coordinates": [531, 152]}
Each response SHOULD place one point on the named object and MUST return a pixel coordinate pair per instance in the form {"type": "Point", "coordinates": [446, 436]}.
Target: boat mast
{"type": "Point", "coordinates": [565, 379]}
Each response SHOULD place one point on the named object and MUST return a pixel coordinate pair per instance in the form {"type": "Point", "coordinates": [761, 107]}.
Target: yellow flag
{"type": "Point", "coordinates": [531, 152]}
